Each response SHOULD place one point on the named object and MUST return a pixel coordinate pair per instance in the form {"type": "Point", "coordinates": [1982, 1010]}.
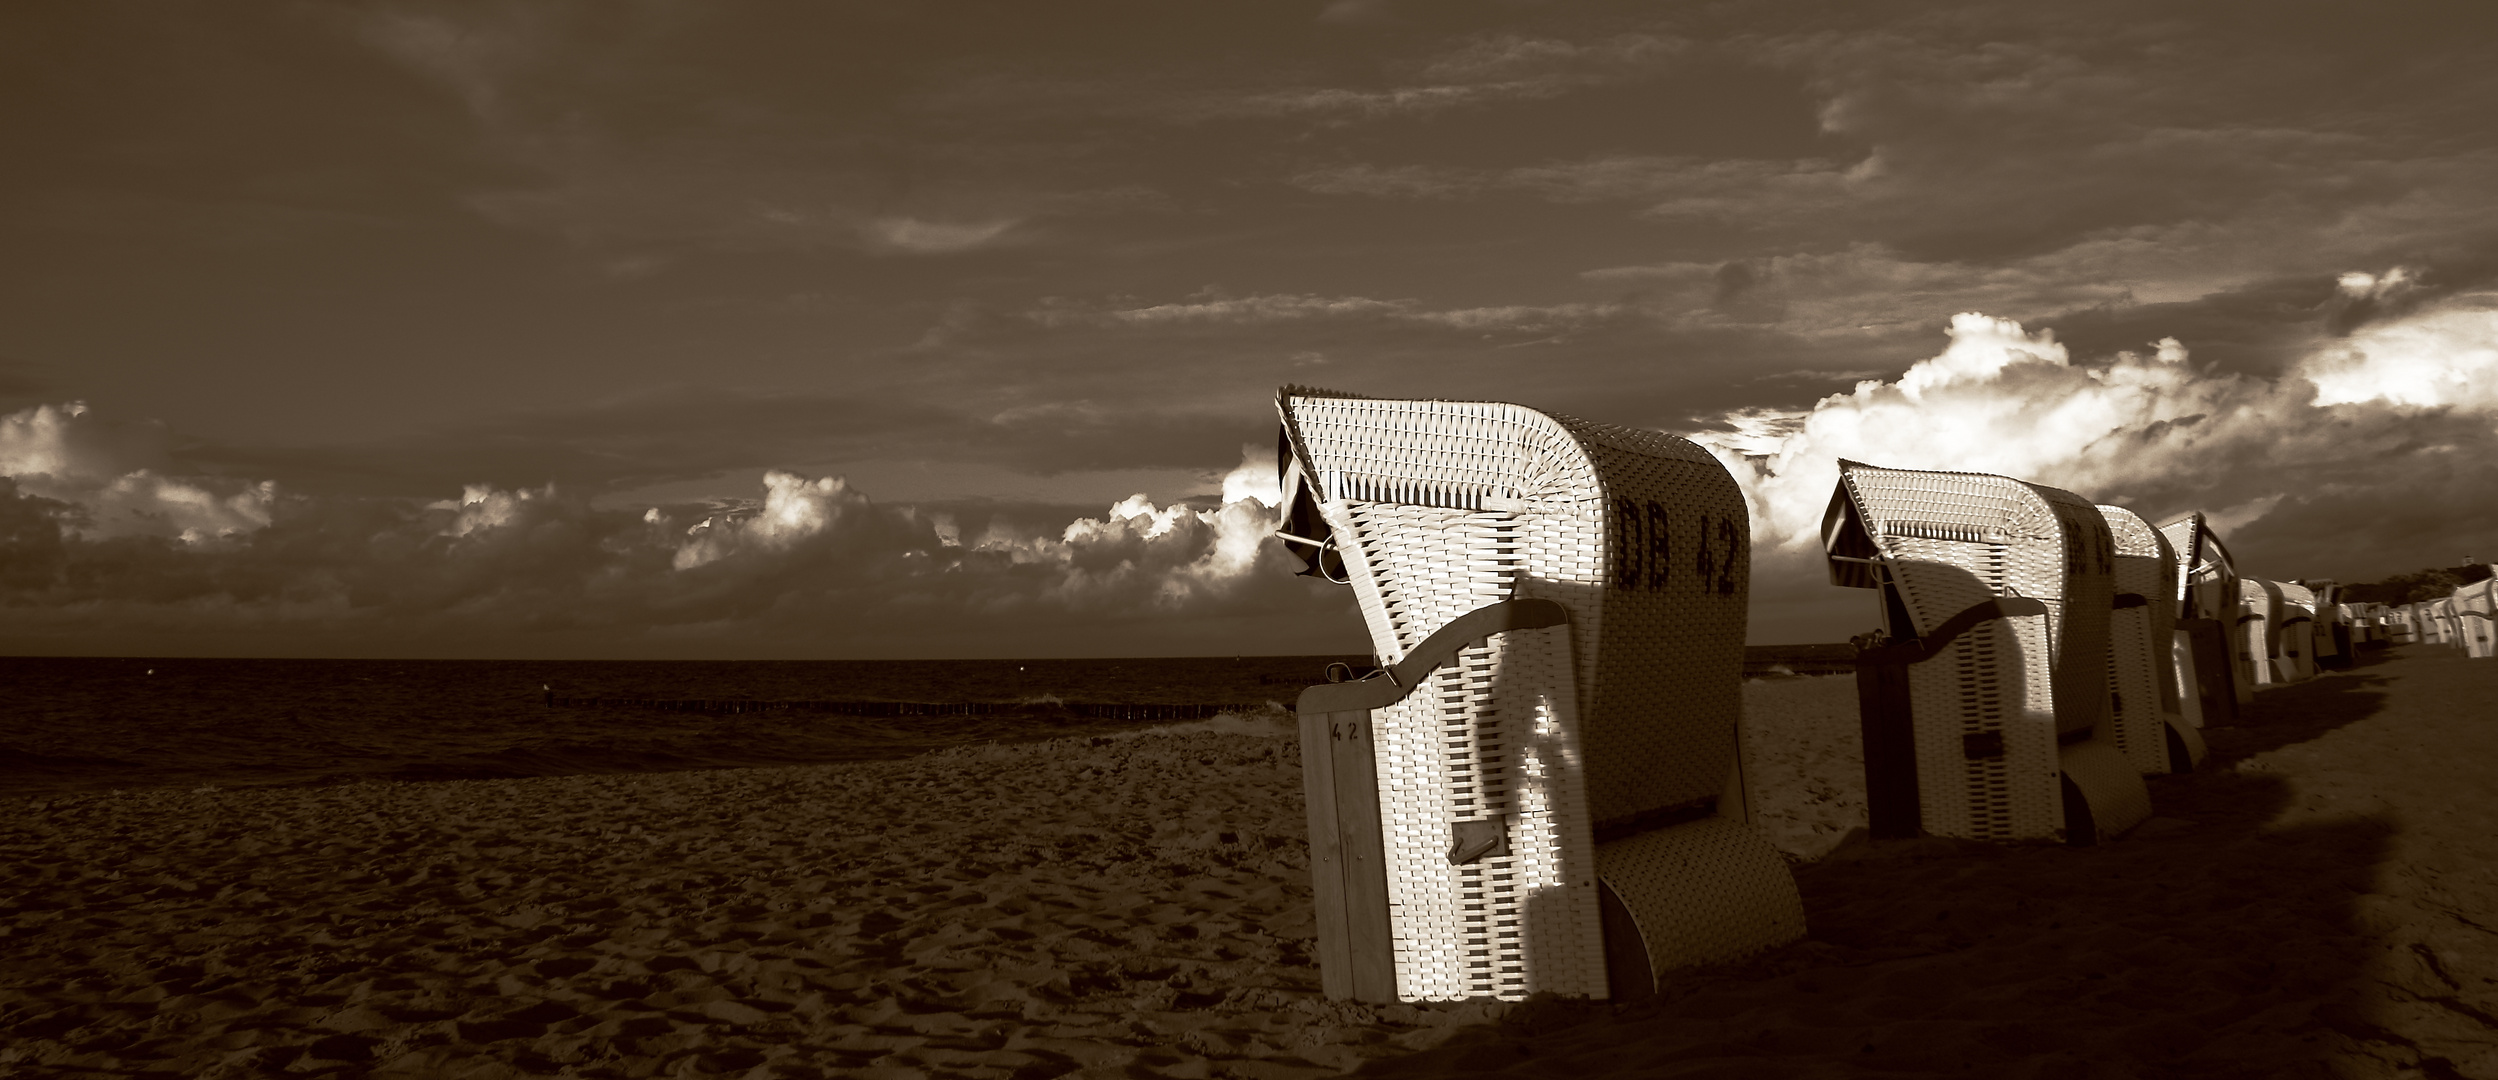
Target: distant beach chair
{"type": "Point", "coordinates": [2258, 641]}
{"type": "Point", "coordinates": [2207, 612]}
{"type": "Point", "coordinates": [1543, 790]}
{"type": "Point", "coordinates": [2148, 721]}
{"type": "Point", "coordinates": [2398, 625]}
{"type": "Point", "coordinates": [2333, 629]}
{"type": "Point", "coordinates": [2476, 607]}
{"type": "Point", "coordinates": [2449, 623]}
{"type": "Point", "coordinates": [1985, 711]}
{"type": "Point", "coordinates": [2431, 623]}
{"type": "Point", "coordinates": [2363, 625]}
{"type": "Point", "coordinates": [2297, 632]}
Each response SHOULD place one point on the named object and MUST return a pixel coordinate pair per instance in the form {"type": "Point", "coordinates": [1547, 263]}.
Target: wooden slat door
{"type": "Point", "coordinates": [1348, 870]}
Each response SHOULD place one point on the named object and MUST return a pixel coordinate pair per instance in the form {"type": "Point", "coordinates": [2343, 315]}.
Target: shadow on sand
{"type": "Point", "coordinates": [2237, 934]}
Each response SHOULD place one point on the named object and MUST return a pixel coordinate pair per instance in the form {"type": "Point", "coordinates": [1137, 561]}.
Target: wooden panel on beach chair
{"type": "Point", "coordinates": [2208, 640]}
{"type": "Point", "coordinates": [1340, 783]}
{"type": "Point", "coordinates": [1887, 728]}
{"type": "Point", "coordinates": [1348, 877]}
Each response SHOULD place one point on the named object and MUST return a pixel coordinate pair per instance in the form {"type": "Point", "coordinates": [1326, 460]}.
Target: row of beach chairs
{"type": "Point", "coordinates": [1541, 788]}
{"type": "Point", "coordinates": [2464, 620]}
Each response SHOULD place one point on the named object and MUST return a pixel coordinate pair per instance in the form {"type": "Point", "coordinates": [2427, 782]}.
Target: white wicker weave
{"type": "Point", "coordinates": [2145, 704]}
{"type": "Point", "coordinates": [1623, 727]}
{"type": "Point", "coordinates": [2476, 606]}
{"type": "Point", "coordinates": [2013, 707]}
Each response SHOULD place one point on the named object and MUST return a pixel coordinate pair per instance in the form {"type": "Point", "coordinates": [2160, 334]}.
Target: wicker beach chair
{"type": "Point", "coordinates": [2297, 632]}
{"type": "Point", "coordinates": [2362, 626]}
{"type": "Point", "coordinates": [2449, 625]}
{"type": "Point", "coordinates": [2370, 626]}
{"type": "Point", "coordinates": [2258, 641]}
{"type": "Point", "coordinates": [1986, 712]}
{"type": "Point", "coordinates": [2476, 608]}
{"type": "Point", "coordinates": [2333, 630]}
{"type": "Point", "coordinates": [1518, 806]}
{"type": "Point", "coordinates": [2148, 723]}
{"type": "Point", "coordinates": [2207, 602]}
{"type": "Point", "coordinates": [2398, 626]}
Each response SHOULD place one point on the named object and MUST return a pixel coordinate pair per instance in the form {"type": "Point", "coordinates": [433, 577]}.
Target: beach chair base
{"type": "Point", "coordinates": [2185, 746]}
{"type": "Point", "coordinates": [2104, 795]}
{"type": "Point", "coordinates": [1702, 892]}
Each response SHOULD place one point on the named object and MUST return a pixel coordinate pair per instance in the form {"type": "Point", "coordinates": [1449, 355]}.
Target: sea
{"type": "Point", "coordinates": [83, 724]}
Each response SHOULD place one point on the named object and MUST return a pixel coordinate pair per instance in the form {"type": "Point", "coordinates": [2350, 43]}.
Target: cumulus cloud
{"type": "Point", "coordinates": [106, 479]}
{"type": "Point", "coordinates": [2371, 455]}
{"type": "Point", "coordinates": [2405, 406]}
{"type": "Point", "coordinates": [1255, 479]}
{"type": "Point", "coordinates": [2439, 358]}
{"type": "Point", "coordinates": [812, 563]}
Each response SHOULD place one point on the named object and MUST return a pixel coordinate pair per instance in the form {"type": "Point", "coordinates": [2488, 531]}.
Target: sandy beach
{"type": "Point", "coordinates": [2321, 900]}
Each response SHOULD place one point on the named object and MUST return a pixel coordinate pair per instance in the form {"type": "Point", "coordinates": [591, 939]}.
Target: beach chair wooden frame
{"type": "Point", "coordinates": [2206, 592]}
{"type": "Point", "coordinates": [2147, 714]}
{"type": "Point", "coordinates": [2476, 618]}
{"type": "Point", "coordinates": [1559, 807]}
{"type": "Point", "coordinates": [1985, 709]}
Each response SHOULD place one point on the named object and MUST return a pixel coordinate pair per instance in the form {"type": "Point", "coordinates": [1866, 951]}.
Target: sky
{"type": "Point", "coordinates": [721, 329]}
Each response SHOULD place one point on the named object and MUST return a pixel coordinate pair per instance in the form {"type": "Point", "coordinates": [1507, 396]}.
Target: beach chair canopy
{"type": "Point", "coordinates": [1642, 535]}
